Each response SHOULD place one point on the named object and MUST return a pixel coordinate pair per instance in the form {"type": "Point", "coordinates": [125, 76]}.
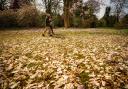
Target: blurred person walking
{"type": "Point", "coordinates": [48, 26]}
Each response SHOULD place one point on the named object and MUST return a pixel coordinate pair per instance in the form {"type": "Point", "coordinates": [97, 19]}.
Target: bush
{"type": "Point", "coordinates": [58, 21]}
{"type": "Point", "coordinates": [28, 17]}
{"type": "Point", "coordinates": [76, 22]}
{"type": "Point", "coordinates": [8, 18]}
{"type": "Point", "coordinates": [84, 22]}
{"type": "Point", "coordinates": [101, 23]}
{"type": "Point", "coordinates": [42, 20]}
{"type": "Point", "coordinates": [107, 22]}
{"type": "Point", "coordinates": [112, 21]}
{"type": "Point", "coordinates": [90, 22]}
{"type": "Point", "coordinates": [123, 24]}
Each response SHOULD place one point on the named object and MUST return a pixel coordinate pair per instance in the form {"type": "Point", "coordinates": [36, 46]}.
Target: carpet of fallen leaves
{"type": "Point", "coordinates": [72, 59]}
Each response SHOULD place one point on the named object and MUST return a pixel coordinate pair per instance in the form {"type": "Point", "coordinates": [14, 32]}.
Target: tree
{"type": "Point", "coordinates": [93, 6]}
{"type": "Point", "coordinates": [54, 6]}
{"type": "Point", "coordinates": [48, 5]}
{"type": "Point", "coordinates": [15, 4]}
{"type": "Point", "coordinates": [57, 7]}
{"type": "Point", "coordinates": [79, 11]}
{"type": "Point", "coordinates": [119, 7]}
{"type": "Point", "coordinates": [67, 6]}
{"type": "Point", "coordinates": [123, 24]}
{"type": "Point", "coordinates": [51, 6]}
{"type": "Point", "coordinates": [26, 2]}
{"type": "Point", "coordinates": [66, 13]}
{"type": "Point", "coordinates": [107, 15]}
{"type": "Point", "coordinates": [108, 19]}
{"type": "Point", "coordinates": [2, 4]}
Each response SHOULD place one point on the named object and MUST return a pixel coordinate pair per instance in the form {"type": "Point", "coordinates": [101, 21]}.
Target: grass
{"type": "Point", "coordinates": [95, 58]}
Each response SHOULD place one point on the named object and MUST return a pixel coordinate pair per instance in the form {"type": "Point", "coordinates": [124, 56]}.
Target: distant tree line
{"type": "Point", "coordinates": [66, 13]}
{"type": "Point", "coordinates": [116, 15]}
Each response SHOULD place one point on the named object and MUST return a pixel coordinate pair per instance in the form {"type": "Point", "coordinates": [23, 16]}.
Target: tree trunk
{"type": "Point", "coordinates": [66, 13]}
{"type": "Point", "coordinates": [117, 17]}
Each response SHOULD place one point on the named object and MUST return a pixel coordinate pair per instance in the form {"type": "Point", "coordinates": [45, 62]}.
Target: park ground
{"type": "Point", "coordinates": [72, 59]}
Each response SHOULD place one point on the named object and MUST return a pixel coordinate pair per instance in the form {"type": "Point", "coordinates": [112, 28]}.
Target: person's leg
{"type": "Point", "coordinates": [52, 30]}
{"type": "Point", "coordinates": [45, 30]}
{"type": "Point", "coordinates": [49, 31]}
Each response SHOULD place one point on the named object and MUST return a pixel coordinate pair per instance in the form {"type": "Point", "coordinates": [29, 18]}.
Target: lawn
{"type": "Point", "coordinates": [72, 59]}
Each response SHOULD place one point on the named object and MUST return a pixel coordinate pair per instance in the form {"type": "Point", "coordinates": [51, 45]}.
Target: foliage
{"type": "Point", "coordinates": [3, 5]}
{"type": "Point", "coordinates": [76, 13]}
{"type": "Point", "coordinates": [107, 15]}
{"type": "Point", "coordinates": [93, 6]}
{"type": "Point", "coordinates": [119, 7]}
{"type": "Point", "coordinates": [15, 4]}
{"type": "Point", "coordinates": [8, 18]}
{"type": "Point", "coordinates": [111, 21]}
{"type": "Point", "coordinates": [76, 22]}
{"type": "Point", "coordinates": [91, 22]}
{"type": "Point", "coordinates": [101, 23]}
{"type": "Point", "coordinates": [52, 6]}
{"type": "Point", "coordinates": [42, 19]}
{"type": "Point", "coordinates": [58, 21]}
{"type": "Point", "coordinates": [123, 23]}
{"type": "Point", "coordinates": [28, 16]}
{"type": "Point", "coordinates": [84, 23]}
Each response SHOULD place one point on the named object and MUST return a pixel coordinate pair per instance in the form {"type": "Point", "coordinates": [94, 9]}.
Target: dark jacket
{"type": "Point", "coordinates": [48, 21]}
